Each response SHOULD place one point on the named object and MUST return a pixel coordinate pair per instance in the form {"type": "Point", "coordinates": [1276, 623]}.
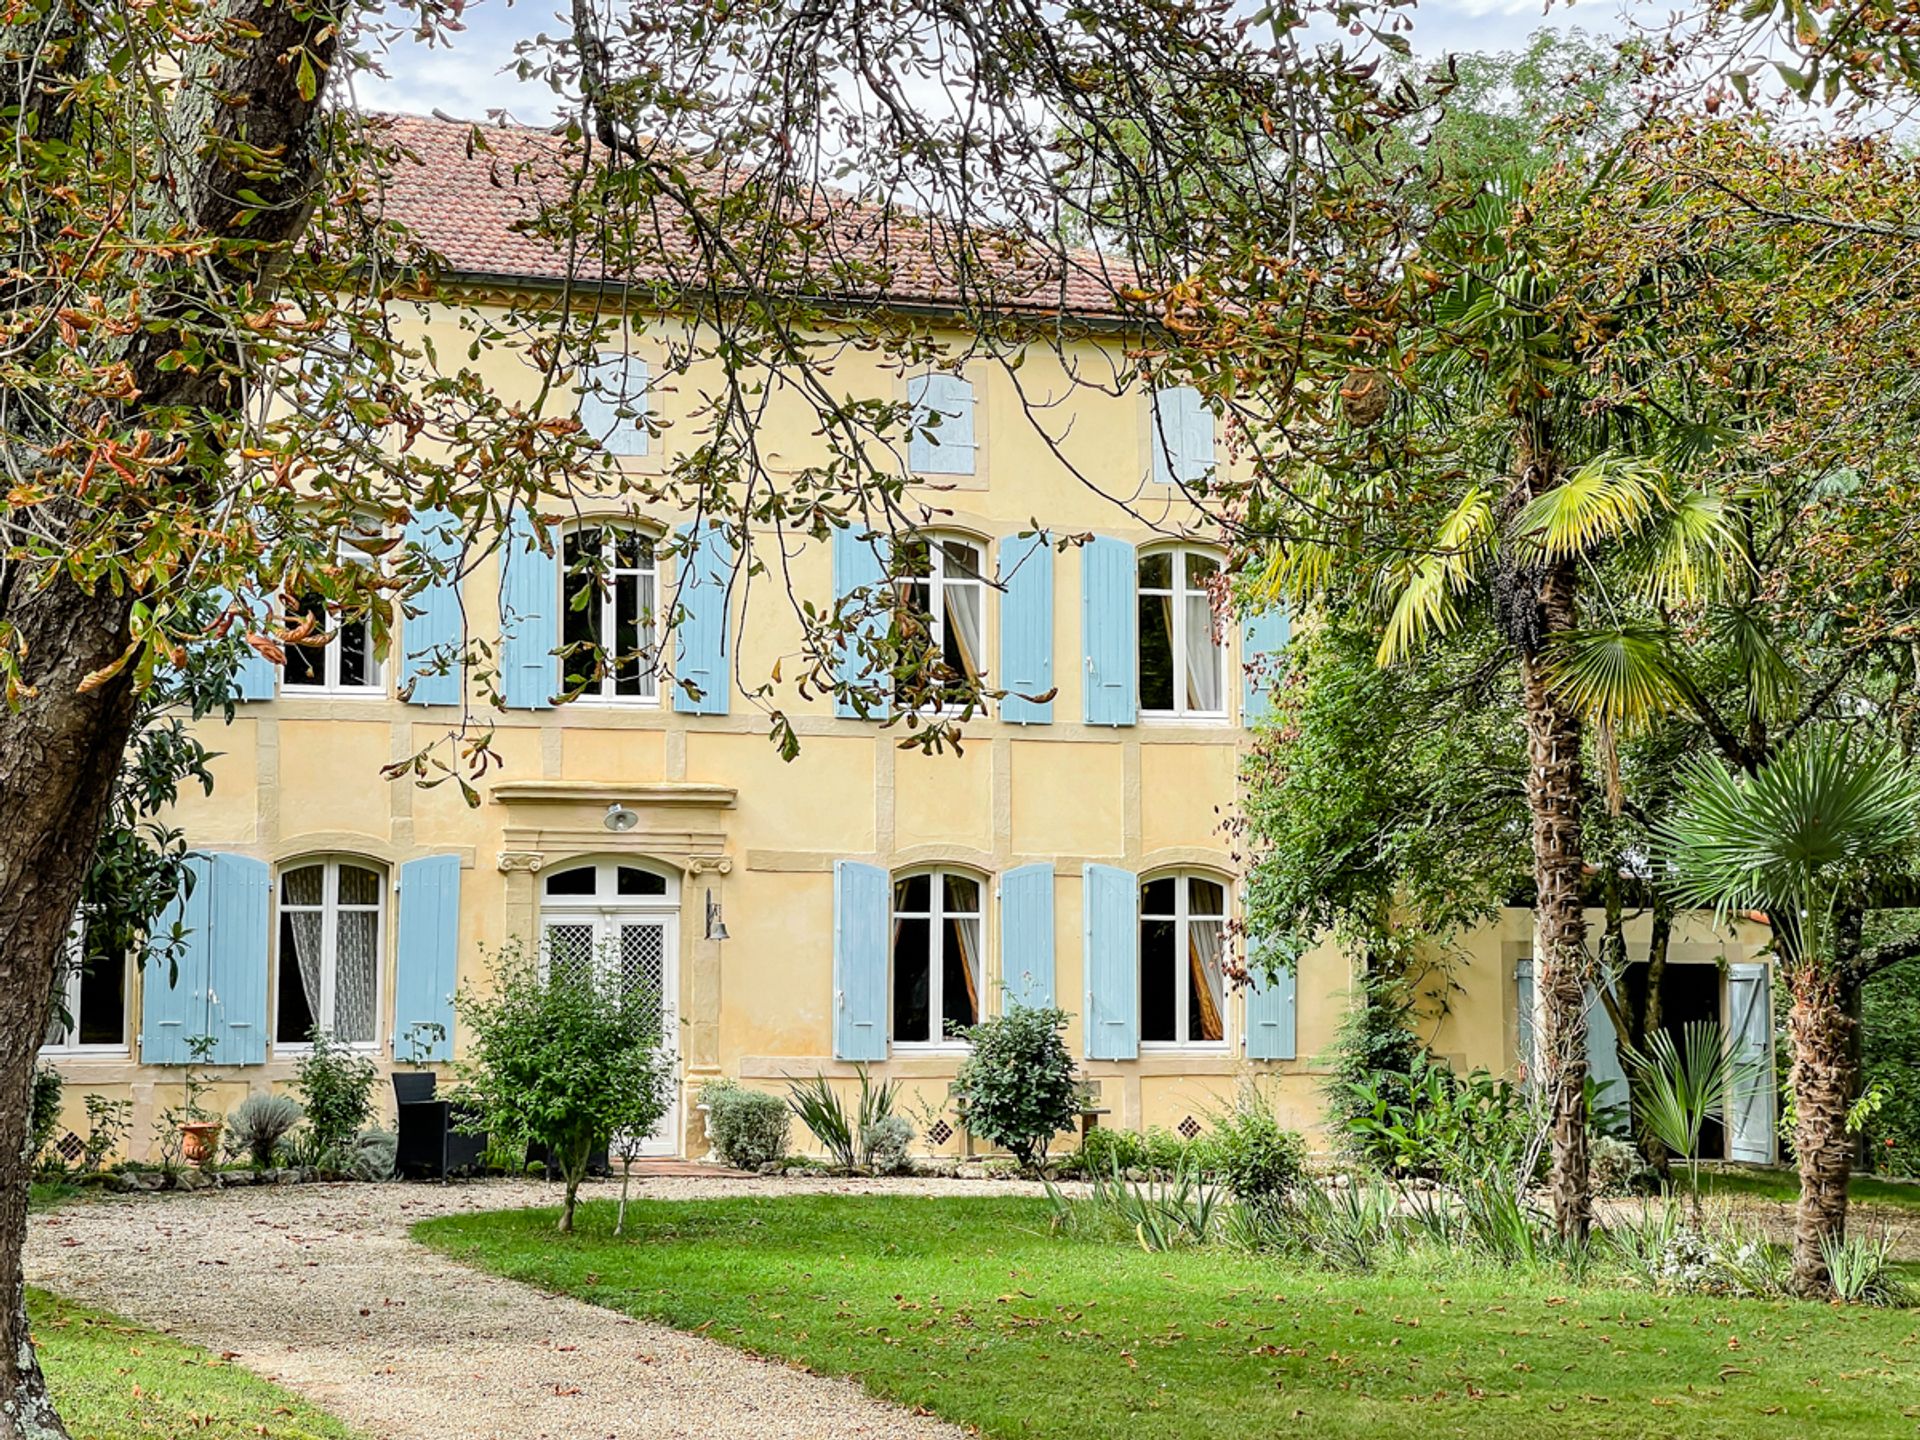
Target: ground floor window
{"type": "Point", "coordinates": [936, 956]}
{"type": "Point", "coordinates": [1182, 985]}
{"type": "Point", "coordinates": [89, 998]}
{"type": "Point", "coordinates": [331, 914]}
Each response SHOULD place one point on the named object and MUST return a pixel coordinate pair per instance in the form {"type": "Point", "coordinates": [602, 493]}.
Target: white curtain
{"type": "Point", "coordinates": [353, 975]}
{"type": "Point", "coordinates": [304, 930]}
{"type": "Point", "coordinates": [1209, 984]}
{"type": "Point", "coordinates": [1203, 657]}
{"type": "Point", "coordinates": [963, 623]}
{"type": "Point", "coordinates": [966, 935]}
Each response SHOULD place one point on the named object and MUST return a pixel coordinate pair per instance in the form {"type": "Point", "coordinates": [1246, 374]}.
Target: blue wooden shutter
{"type": "Point", "coordinates": [1111, 959]}
{"type": "Point", "coordinates": [237, 951]}
{"type": "Point", "coordinates": [1603, 1051]}
{"type": "Point", "coordinates": [1196, 438]}
{"type": "Point", "coordinates": [529, 618]}
{"type": "Point", "coordinates": [1750, 1108]}
{"type": "Point", "coordinates": [1026, 628]}
{"type": "Point", "coordinates": [173, 1001]}
{"type": "Point", "coordinates": [1109, 623]}
{"type": "Point", "coordinates": [432, 636]}
{"type": "Point", "coordinates": [859, 564]}
{"type": "Point", "coordinates": [256, 677]}
{"type": "Point", "coordinates": [949, 448]}
{"type": "Point", "coordinates": [427, 954]}
{"type": "Point", "coordinates": [1026, 935]}
{"type": "Point", "coordinates": [701, 682]}
{"type": "Point", "coordinates": [610, 383]}
{"type": "Point", "coordinates": [1272, 1029]}
{"type": "Point", "coordinates": [860, 960]}
{"type": "Point", "coordinates": [1523, 1015]}
{"type": "Point", "coordinates": [1262, 633]}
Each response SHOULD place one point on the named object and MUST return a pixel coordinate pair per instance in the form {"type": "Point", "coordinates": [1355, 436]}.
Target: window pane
{"type": "Point", "coordinates": [303, 886]}
{"type": "Point", "coordinates": [915, 558]}
{"type": "Point", "coordinates": [632, 549]}
{"type": "Point", "coordinates": [359, 886]}
{"type": "Point", "coordinates": [914, 894]}
{"type": "Point", "coordinates": [1156, 896]}
{"type": "Point", "coordinates": [1158, 975]}
{"type": "Point", "coordinates": [1200, 569]}
{"type": "Point", "coordinates": [103, 1001]}
{"type": "Point", "coordinates": [1206, 987]}
{"type": "Point", "coordinates": [580, 615]}
{"type": "Point", "coordinates": [961, 895]}
{"type": "Point", "coordinates": [912, 1001]}
{"type": "Point", "coordinates": [1156, 571]}
{"type": "Point", "coordinates": [570, 951]}
{"type": "Point", "coordinates": [1206, 898]}
{"type": "Point", "coordinates": [960, 976]}
{"type": "Point", "coordinates": [961, 645]}
{"type": "Point", "coordinates": [355, 641]}
{"type": "Point", "coordinates": [577, 881]}
{"type": "Point", "coordinates": [632, 636]}
{"type": "Point", "coordinates": [299, 977]}
{"type": "Point", "coordinates": [634, 881]}
{"type": "Point", "coordinates": [1156, 652]}
{"type": "Point", "coordinates": [1203, 690]}
{"type": "Point", "coordinates": [355, 970]}
{"type": "Point", "coordinates": [962, 559]}
{"type": "Point", "coordinates": [307, 663]}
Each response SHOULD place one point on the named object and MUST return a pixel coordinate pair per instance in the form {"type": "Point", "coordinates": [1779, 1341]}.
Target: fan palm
{"type": "Point", "coordinates": [1805, 837]}
{"type": "Point", "coordinates": [1679, 1086]}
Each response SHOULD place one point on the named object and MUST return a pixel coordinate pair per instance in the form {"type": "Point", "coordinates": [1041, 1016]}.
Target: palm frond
{"type": "Point", "coordinates": [1605, 499]}
{"type": "Point", "coordinates": [1620, 679]}
{"type": "Point", "coordinates": [1825, 810]}
{"type": "Point", "coordinates": [1768, 677]}
{"type": "Point", "coordinates": [1293, 572]}
{"type": "Point", "coordinates": [1694, 549]}
{"type": "Point", "coordinates": [1425, 589]}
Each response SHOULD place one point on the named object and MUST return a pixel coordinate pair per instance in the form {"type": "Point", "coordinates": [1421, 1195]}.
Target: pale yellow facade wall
{"type": "Point", "coordinates": [731, 821]}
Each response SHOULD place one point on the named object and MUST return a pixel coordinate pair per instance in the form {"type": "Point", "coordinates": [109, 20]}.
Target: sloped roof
{"type": "Point", "coordinates": [477, 207]}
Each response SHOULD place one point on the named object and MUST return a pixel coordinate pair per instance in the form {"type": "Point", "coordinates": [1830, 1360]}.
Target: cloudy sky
{"type": "Point", "coordinates": [466, 79]}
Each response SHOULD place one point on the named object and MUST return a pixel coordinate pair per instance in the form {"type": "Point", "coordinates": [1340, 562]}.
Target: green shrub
{"type": "Point", "coordinates": [560, 1057]}
{"type": "Point", "coordinates": [1019, 1088]}
{"type": "Point", "coordinates": [1376, 1043]}
{"type": "Point", "coordinates": [748, 1128]}
{"type": "Point", "coordinates": [258, 1124]}
{"type": "Point", "coordinates": [372, 1155]}
{"type": "Point", "coordinates": [1259, 1160]}
{"type": "Point", "coordinates": [1435, 1124]}
{"type": "Point", "coordinates": [818, 1105]}
{"type": "Point", "coordinates": [335, 1085]}
{"type": "Point", "coordinates": [887, 1142]}
{"type": "Point", "coordinates": [45, 1118]}
{"type": "Point", "coordinates": [1890, 1060]}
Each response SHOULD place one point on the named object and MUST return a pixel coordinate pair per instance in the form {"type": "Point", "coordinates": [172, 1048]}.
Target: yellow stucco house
{"type": "Point", "coordinates": [852, 906]}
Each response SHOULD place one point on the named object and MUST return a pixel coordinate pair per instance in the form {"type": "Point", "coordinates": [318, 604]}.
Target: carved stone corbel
{"type": "Point", "coordinates": [527, 860]}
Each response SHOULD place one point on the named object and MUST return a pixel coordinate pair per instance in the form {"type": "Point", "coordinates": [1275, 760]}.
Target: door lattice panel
{"type": "Point", "coordinates": [643, 964]}
{"type": "Point", "coordinates": [570, 950]}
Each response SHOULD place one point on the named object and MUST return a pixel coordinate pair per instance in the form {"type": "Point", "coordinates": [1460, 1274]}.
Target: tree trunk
{"type": "Point", "coordinates": [1821, 1033]}
{"type": "Point", "coordinates": [60, 751]}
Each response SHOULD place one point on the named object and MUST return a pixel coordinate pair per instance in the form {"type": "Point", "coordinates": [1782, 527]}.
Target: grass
{"type": "Point", "coordinates": [116, 1381]}
{"type": "Point", "coordinates": [970, 1308]}
{"type": "Point", "coordinates": [1784, 1186]}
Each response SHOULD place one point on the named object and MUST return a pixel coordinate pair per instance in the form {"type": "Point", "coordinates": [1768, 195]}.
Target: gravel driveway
{"type": "Point", "coordinates": [319, 1288]}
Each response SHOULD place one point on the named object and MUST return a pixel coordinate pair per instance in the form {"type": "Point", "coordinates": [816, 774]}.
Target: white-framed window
{"type": "Point", "coordinates": [613, 402]}
{"type": "Point", "coordinates": [938, 970]}
{"type": "Point", "coordinates": [89, 999]}
{"type": "Point", "coordinates": [331, 927]}
{"type": "Point", "coordinates": [339, 657]}
{"type": "Point", "coordinates": [1183, 660]}
{"type": "Point", "coordinates": [1183, 995]}
{"type": "Point", "coordinates": [943, 599]}
{"type": "Point", "coordinates": [609, 621]}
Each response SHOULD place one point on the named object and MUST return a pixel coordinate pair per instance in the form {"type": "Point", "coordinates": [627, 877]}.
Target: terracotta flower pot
{"type": "Point", "coordinates": [200, 1142]}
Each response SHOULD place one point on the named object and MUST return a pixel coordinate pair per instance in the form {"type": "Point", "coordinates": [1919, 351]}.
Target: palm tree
{"type": "Point", "coordinates": [1810, 837]}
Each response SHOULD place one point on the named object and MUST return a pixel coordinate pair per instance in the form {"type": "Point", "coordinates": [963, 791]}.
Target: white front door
{"type": "Point", "coordinates": [638, 952]}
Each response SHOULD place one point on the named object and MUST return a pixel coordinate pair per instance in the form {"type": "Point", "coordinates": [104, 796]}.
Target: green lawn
{"type": "Point", "coordinates": [115, 1381]}
{"type": "Point", "coordinates": [1784, 1186]}
{"type": "Point", "coordinates": [970, 1308]}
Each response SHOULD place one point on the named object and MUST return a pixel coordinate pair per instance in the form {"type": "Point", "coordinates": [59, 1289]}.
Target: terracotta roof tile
{"type": "Point", "coordinates": [478, 208]}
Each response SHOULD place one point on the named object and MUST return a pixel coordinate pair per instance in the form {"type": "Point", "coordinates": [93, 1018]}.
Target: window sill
{"type": "Point", "coordinates": [331, 692]}
{"type": "Point", "coordinates": [1185, 1047]}
{"type": "Point", "coordinates": [300, 1052]}
{"type": "Point", "coordinates": [617, 702]}
{"type": "Point", "coordinates": [86, 1052]}
{"type": "Point", "coordinates": [1210, 719]}
{"type": "Point", "coordinates": [930, 1047]}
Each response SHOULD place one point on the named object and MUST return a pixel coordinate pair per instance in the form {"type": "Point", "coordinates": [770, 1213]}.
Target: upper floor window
{"type": "Point", "coordinates": [613, 402]}
{"type": "Point", "coordinates": [1183, 664]}
{"type": "Point", "coordinates": [1182, 436]}
{"type": "Point", "coordinates": [937, 971]}
{"type": "Point", "coordinates": [331, 923]}
{"type": "Point", "coordinates": [941, 442]}
{"type": "Point", "coordinates": [89, 997]}
{"type": "Point", "coordinates": [1183, 921]}
{"type": "Point", "coordinates": [337, 655]}
{"type": "Point", "coordinates": [943, 593]}
{"type": "Point", "coordinates": [609, 627]}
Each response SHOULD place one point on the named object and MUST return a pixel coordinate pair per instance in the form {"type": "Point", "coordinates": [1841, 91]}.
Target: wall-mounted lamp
{"type": "Point", "coordinates": [716, 927]}
{"type": "Point", "coordinates": [620, 819]}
